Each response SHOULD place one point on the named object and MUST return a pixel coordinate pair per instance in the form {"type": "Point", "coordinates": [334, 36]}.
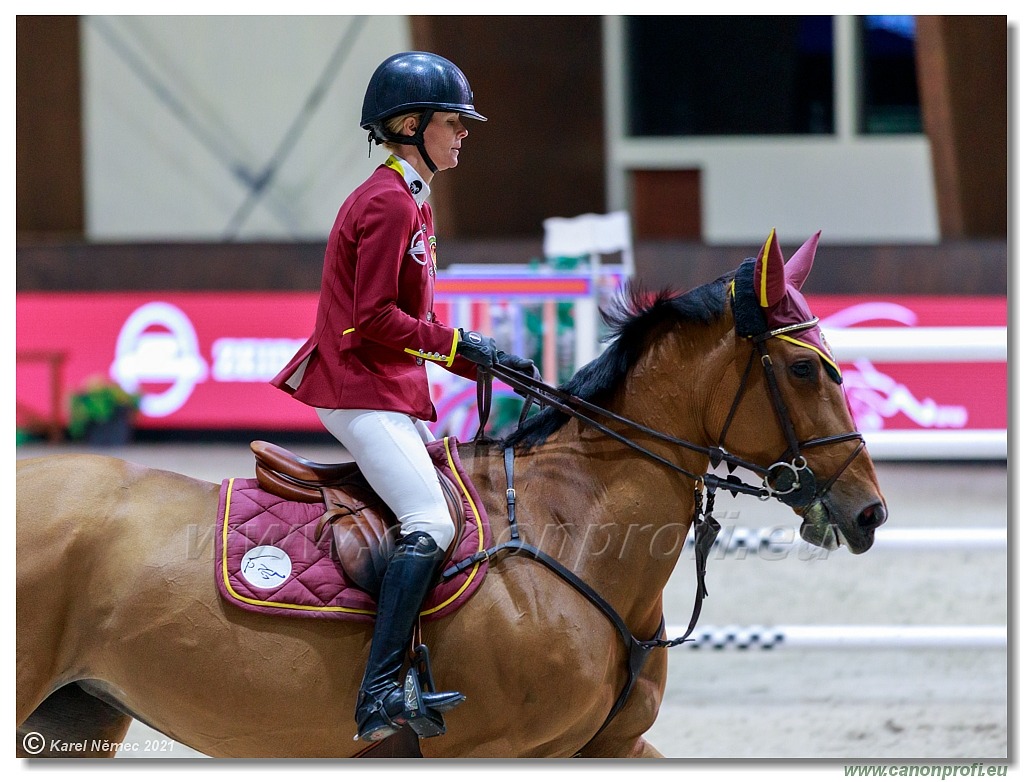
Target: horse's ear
{"type": "Point", "coordinates": [770, 273]}
{"type": "Point", "coordinates": [799, 265]}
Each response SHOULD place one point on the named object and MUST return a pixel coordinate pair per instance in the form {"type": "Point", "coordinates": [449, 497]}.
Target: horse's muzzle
{"type": "Point", "coordinates": [872, 517]}
{"type": "Point", "coordinates": [821, 527]}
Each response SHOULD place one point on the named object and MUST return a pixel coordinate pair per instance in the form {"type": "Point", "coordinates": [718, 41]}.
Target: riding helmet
{"type": "Point", "coordinates": [415, 80]}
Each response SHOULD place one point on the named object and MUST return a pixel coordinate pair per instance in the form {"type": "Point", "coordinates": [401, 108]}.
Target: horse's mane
{"type": "Point", "coordinates": [634, 318]}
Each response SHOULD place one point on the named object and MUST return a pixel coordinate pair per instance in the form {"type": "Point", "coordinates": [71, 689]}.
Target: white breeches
{"type": "Point", "coordinates": [390, 450]}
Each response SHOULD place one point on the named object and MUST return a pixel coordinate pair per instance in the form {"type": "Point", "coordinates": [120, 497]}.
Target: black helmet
{"type": "Point", "coordinates": [409, 81]}
{"type": "Point", "coordinates": [416, 80]}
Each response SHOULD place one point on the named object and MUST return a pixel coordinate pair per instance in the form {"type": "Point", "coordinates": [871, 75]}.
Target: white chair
{"type": "Point", "coordinates": [590, 235]}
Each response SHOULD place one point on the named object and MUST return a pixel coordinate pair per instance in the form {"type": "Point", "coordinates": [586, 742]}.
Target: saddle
{"type": "Point", "coordinates": [364, 528]}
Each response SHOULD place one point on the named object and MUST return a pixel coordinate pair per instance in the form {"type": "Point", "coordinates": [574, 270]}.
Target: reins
{"type": "Point", "coordinates": [536, 391]}
{"type": "Point", "coordinates": [790, 482]}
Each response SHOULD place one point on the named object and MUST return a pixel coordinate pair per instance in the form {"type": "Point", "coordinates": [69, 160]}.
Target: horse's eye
{"type": "Point", "coordinates": [803, 369]}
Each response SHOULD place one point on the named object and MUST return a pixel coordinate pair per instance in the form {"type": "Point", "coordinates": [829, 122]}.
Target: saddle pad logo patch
{"type": "Point", "coordinates": [266, 567]}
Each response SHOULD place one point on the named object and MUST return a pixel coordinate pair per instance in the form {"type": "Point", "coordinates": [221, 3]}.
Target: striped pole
{"type": "Point", "coordinates": [843, 636]}
{"type": "Point", "coordinates": [776, 542]}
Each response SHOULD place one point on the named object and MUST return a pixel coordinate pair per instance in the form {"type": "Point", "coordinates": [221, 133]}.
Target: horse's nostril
{"type": "Point", "coordinates": [872, 516]}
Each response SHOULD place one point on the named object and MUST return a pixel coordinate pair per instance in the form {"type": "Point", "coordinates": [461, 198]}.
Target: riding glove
{"type": "Point", "coordinates": [517, 363]}
{"type": "Point", "coordinates": [477, 348]}
{"type": "Point", "coordinates": [482, 350]}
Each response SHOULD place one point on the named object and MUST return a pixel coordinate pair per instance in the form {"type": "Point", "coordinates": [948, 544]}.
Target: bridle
{"type": "Point", "coordinates": [789, 479]}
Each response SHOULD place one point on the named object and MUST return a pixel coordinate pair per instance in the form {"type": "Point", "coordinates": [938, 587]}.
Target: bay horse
{"type": "Point", "coordinates": [118, 619]}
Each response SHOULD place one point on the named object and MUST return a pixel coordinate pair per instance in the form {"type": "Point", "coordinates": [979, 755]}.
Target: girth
{"type": "Point", "coordinates": [363, 526]}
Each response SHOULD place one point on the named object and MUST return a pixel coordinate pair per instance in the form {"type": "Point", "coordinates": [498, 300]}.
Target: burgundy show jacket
{"type": "Point", "coordinates": [375, 328]}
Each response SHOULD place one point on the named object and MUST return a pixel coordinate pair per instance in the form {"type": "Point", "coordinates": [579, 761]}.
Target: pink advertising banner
{"type": "Point", "coordinates": [202, 360]}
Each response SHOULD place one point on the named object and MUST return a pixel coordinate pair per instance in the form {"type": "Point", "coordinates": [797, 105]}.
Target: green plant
{"type": "Point", "coordinates": [98, 401]}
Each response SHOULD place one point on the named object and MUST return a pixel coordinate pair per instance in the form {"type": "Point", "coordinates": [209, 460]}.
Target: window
{"type": "Point", "coordinates": [889, 97]}
{"type": "Point", "coordinates": [730, 75]}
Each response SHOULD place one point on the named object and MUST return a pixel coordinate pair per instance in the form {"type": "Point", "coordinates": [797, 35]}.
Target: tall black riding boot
{"type": "Point", "coordinates": [409, 576]}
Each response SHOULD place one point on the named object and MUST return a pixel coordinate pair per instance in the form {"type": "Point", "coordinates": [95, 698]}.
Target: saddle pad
{"type": "Point", "coordinates": [268, 559]}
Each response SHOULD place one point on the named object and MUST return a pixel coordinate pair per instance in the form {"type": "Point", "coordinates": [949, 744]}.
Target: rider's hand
{"type": "Point", "coordinates": [517, 363]}
{"type": "Point", "coordinates": [477, 348]}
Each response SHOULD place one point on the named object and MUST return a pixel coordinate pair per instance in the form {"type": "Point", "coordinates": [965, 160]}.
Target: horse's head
{"type": "Point", "coordinates": [790, 415]}
{"type": "Point", "coordinates": [760, 390]}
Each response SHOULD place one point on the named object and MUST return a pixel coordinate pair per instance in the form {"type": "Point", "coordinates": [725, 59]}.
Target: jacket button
{"type": "Point", "coordinates": [419, 361]}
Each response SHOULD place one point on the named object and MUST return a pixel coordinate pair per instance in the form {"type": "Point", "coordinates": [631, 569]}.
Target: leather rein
{"type": "Point", "coordinates": [791, 482]}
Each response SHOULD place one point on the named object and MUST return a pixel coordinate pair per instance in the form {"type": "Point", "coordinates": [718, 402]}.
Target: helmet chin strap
{"type": "Point", "coordinates": [415, 140]}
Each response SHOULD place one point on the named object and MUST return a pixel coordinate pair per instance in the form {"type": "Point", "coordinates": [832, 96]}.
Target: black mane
{"type": "Point", "coordinates": [634, 318]}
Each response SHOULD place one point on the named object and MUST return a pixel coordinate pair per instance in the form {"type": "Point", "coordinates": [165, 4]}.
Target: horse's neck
{"type": "Point", "coordinates": [615, 519]}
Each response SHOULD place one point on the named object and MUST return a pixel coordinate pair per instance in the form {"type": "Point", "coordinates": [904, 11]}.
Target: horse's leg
{"type": "Point", "coordinates": [72, 723]}
{"type": "Point", "coordinates": [623, 736]}
{"type": "Point", "coordinates": [44, 591]}
{"type": "Point", "coordinates": [51, 622]}
{"type": "Point", "coordinates": [625, 746]}
{"type": "Point", "coordinates": [648, 750]}
{"type": "Point", "coordinates": [612, 744]}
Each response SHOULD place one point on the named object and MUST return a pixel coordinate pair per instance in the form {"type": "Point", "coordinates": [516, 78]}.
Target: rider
{"type": "Point", "coordinates": [364, 367]}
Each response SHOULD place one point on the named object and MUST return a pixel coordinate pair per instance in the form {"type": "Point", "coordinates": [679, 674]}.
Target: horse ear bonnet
{"type": "Point", "coordinates": [785, 307]}
{"type": "Point", "coordinates": [750, 319]}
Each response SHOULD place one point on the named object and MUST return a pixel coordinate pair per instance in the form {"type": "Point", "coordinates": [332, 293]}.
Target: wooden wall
{"type": "Point", "coordinates": [963, 87]}
{"type": "Point", "coordinates": [541, 152]}
{"type": "Point", "coordinates": [49, 198]}
{"type": "Point", "coordinates": [965, 267]}
{"type": "Point", "coordinates": [520, 170]}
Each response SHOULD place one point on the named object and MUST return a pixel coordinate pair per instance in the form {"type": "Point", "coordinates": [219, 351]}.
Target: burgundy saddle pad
{"type": "Point", "coordinates": [269, 560]}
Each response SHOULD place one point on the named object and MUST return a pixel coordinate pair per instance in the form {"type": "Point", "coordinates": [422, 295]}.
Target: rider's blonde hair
{"type": "Point", "coordinates": [394, 127]}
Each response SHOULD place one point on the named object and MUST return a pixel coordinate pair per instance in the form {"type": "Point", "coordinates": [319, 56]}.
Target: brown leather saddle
{"type": "Point", "coordinates": [364, 526]}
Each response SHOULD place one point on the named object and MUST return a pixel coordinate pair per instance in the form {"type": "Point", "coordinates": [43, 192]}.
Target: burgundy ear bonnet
{"type": "Point", "coordinates": [766, 297]}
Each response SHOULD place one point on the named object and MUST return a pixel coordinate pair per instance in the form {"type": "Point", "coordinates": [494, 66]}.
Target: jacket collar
{"type": "Point", "coordinates": [417, 187]}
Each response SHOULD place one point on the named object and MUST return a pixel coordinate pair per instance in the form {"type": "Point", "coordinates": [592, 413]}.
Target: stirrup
{"type": "Point", "coordinates": [424, 719]}
{"type": "Point", "coordinates": [417, 704]}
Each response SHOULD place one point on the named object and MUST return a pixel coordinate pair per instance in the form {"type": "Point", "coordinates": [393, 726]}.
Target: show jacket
{"type": "Point", "coordinates": [375, 326]}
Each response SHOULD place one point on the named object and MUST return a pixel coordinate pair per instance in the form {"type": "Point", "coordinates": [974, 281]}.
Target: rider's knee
{"type": "Point", "coordinates": [441, 530]}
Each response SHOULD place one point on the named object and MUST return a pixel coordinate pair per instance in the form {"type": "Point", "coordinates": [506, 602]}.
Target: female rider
{"type": "Point", "coordinates": [364, 367]}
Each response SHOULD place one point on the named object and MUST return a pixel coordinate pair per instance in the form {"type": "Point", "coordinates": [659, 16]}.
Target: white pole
{"type": "Point", "coordinates": [937, 444]}
{"type": "Point", "coordinates": [585, 328]}
{"type": "Point", "coordinates": [980, 343]}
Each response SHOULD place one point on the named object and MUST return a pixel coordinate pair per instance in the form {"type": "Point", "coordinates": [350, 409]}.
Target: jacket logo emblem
{"type": "Point", "coordinates": [418, 247]}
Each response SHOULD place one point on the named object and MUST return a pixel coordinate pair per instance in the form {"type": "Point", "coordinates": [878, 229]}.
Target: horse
{"type": "Point", "coordinates": [561, 652]}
